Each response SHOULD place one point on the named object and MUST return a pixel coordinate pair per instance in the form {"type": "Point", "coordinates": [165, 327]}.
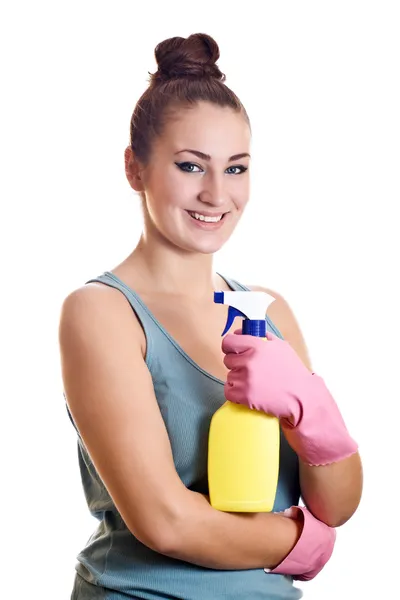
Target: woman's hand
{"type": "Point", "coordinates": [270, 377]}
{"type": "Point", "coordinates": [263, 375]}
{"type": "Point", "coordinates": [313, 549]}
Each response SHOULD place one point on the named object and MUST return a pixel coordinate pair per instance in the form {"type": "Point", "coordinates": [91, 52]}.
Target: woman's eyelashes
{"type": "Point", "coordinates": [189, 167]}
{"type": "Point", "coordinates": [236, 170]}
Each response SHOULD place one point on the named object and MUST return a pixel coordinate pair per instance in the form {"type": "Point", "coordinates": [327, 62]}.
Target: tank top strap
{"type": "Point", "coordinates": [235, 285]}
{"type": "Point", "coordinates": [146, 319]}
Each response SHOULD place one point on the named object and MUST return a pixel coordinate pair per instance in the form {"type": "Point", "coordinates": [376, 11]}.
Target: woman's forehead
{"type": "Point", "coordinates": [210, 129]}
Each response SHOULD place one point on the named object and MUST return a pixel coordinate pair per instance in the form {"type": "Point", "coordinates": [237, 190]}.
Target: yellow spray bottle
{"type": "Point", "coordinates": [243, 444]}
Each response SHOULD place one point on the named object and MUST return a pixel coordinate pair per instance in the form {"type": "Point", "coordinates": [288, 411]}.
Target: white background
{"type": "Point", "coordinates": [320, 81]}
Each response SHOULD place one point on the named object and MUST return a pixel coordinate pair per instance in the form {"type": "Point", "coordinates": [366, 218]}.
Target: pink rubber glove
{"type": "Point", "coordinates": [313, 549]}
{"type": "Point", "coordinates": [269, 376]}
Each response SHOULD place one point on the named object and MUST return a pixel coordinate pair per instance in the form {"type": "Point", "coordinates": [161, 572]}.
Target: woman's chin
{"type": "Point", "coordinates": [205, 246]}
{"type": "Point", "coordinates": [198, 242]}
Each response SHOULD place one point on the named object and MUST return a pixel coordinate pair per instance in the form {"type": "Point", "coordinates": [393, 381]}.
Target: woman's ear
{"type": "Point", "coordinates": [133, 170]}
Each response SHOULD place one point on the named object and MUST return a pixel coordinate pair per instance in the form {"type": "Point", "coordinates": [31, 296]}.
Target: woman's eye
{"type": "Point", "coordinates": [189, 167]}
{"type": "Point", "coordinates": [236, 170]}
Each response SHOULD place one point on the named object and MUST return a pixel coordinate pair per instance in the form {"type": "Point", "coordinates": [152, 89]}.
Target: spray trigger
{"type": "Point", "coordinates": [232, 314]}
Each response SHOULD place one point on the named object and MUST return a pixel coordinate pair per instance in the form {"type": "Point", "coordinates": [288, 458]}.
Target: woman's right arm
{"type": "Point", "coordinates": [110, 395]}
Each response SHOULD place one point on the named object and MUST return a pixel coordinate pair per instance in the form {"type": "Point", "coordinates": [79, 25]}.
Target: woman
{"type": "Point", "coordinates": [144, 371]}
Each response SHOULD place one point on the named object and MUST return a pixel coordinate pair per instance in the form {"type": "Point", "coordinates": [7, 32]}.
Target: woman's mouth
{"type": "Point", "coordinates": [206, 221]}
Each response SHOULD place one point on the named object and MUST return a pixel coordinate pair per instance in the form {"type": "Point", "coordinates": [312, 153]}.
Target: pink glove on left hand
{"type": "Point", "coordinates": [313, 549]}
{"type": "Point", "coordinates": [269, 376]}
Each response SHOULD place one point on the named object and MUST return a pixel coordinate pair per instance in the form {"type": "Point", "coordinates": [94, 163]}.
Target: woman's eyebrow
{"type": "Point", "coordinates": [204, 156]}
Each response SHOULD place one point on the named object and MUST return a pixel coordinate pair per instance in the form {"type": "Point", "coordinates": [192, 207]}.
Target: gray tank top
{"type": "Point", "coordinates": [114, 565]}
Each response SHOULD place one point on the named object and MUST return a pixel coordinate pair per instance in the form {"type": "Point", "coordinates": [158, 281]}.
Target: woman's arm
{"type": "Point", "coordinates": [219, 540]}
{"type": "Point", "coordinates": [110, 394]}
{"type": "Point", "coordinates": [331, 492]}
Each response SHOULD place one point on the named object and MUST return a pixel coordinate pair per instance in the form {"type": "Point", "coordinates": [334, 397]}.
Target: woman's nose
{"type": "Point", "coordinates": [213, 191]}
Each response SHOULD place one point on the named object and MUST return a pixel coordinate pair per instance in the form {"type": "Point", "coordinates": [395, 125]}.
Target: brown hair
{"type": "Point", "coordinates": [187, 73]}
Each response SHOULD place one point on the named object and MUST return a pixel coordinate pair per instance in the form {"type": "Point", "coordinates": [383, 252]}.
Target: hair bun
{"type": "Point", "coordinates": [194, 57]}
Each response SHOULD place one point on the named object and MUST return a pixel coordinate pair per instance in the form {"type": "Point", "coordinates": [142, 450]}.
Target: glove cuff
{"type": "Point", "coordinates": [321, 436]}
{"type": "Point", "coordinates": [312, 551]}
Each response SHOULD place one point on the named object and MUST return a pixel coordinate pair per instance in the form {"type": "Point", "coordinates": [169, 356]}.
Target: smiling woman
{"type": "Point", "coordinates": [144, 369]}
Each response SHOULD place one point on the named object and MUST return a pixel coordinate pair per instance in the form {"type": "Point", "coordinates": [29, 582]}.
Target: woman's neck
{"type": "Point", "coordinates": [167, 269]}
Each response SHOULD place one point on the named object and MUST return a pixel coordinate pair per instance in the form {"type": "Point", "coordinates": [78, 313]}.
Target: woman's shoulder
{"type": "Point", "coordinates": [93, 307]}
{"type": "Point", "coordinates": [91, 297]}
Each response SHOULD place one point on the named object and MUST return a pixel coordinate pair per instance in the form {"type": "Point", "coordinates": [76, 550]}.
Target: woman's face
{"type": "Point", "coordinates": [198, 169]}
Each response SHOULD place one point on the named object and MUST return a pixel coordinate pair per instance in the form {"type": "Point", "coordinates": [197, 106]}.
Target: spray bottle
{"type": "Point", "coordinates": [243, 444]}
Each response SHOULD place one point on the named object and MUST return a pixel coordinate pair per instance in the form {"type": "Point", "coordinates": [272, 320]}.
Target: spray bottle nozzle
{"type": "Point", "coordinates": [251, 306]}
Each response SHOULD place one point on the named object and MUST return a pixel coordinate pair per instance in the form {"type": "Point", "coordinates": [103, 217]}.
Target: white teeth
{"type": "Point", "coordinates": [204, 218]}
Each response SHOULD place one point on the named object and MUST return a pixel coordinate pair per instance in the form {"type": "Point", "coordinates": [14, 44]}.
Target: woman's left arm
{"type": "Point", "coordinates": [331, 492]}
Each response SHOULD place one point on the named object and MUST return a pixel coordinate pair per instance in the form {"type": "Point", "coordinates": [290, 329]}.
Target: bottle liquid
{"type": "Point", "coordinates": [243, 444]}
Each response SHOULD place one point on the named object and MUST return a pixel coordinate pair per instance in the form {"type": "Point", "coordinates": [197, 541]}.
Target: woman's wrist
{"type": "Point", "coordinates": [287, 532]}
